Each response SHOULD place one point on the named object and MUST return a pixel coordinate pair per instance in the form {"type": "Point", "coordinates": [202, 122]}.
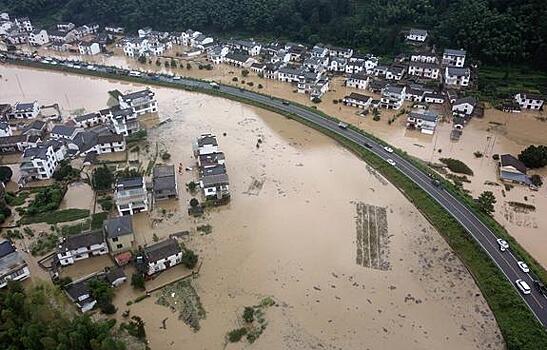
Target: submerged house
{"type": "Point", "coordinates": [164, 182]}
{"type": "Point", "coordinates": [119, 233]}
{"type": "Point", "coordinates": [131, 196]}
{"type": "Point", "coordinates": [12, 265]}
{"type": "Point", "coordinates": [81, 246]}
{"type": "Point", "coordinates": [159, 256]}
{"type": "Point", "coordinates": [513, 170]}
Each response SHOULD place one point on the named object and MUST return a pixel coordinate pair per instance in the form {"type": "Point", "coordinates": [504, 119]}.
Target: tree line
{"type": "Point", "coordinates": [492, 31]}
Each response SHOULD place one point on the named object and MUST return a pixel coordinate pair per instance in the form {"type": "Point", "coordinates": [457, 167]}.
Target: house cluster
{"type": "Point", "coordinates": [87, 39]}
{"type": "Point", "coordinates": [214, 180]}
{"type": "Point", "coordinates": [44, 144]}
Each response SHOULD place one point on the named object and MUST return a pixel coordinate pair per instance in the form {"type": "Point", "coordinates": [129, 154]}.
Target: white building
{"type": "Point", "coordinates": [418, 35]}
{"type": "Point", "coordinates": [90, 120]}
{"type": "Point", "coordinates": [340, 51]}
{"type": "Point", "coordinates": [89, 48]}
{"type": "Point", "coordinates": [40, 162]}
{"type": "Point", "coordinates": [141, 102]}
{"type": "Point", "coordinates": [395, 72]}
{"type": "Point", "coordinates": [464, 106]}
{"type": "Point", "coordinates": [393, 96]}
{"type": "Point", "coordinates": [131, 196]}
{"type": "Point", "coordinates": [455, 58]}
{"type": "Point", "coordinates": [424, 70]}
{"type": "Point", "coordinates": [425, 121]}
{"type": "Point", "coordinates": [216, 55]}
{"type": "Point", "coordinates": [337, 64]}
{"type": "Point", "coordinates": [160, 256]}
{"type": "Point", "coordinates": [125, 121]}
{"type": "Point", "coordinates": [5, 129]}
{"type": "Point", "coordinates": [24, 24]}
{"type": "Point", "coordinates": [425, 57]}
{"type": "Point", "coordinates": [529, 101]}
{"type": "Point", "coordinates": [205, 144]}
{"type": "Point", "coordinates": [81, 246]}
{"type": "Point", "coordinates": [25, 110]}
{"type": "Point", "coordinates": [357, 100]}
{"type": "Point", "coordinates": [457, 77]}
{"type": "Point", "coordinates": [357, 81]}
{"type": "Point", "coordinates": [12, 265]}
{"type": "Point", "coordinates": [38, 37]}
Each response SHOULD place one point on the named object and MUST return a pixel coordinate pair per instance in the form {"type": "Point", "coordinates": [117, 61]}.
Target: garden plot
{"type": "Point", "coordinates": [372, 237]}
{"type": "Point", "coordinates": [181, 297]}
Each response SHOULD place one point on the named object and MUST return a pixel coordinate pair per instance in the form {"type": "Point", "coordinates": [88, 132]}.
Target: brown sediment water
{"type": "Point", "coordinates": [290, 232]}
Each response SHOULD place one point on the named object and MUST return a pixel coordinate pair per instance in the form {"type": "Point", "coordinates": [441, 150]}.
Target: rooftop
{"type": "Point", "coordinates": [162, 250]}
{"type": "Point", "coordinates": [85, 239]}
{"type": "Point", "coordinates": [118, 226]}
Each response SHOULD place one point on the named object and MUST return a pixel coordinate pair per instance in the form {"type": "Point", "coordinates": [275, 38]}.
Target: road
{"type": "Point", "coordinates": [506, 261]}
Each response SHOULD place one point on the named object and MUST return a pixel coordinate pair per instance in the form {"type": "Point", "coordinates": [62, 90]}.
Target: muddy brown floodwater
{"type": "Point", "coordinates": [293, 231]}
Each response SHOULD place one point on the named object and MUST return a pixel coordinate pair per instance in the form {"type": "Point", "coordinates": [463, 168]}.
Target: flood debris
{"type": "Point", "coordinates": [182, 297]}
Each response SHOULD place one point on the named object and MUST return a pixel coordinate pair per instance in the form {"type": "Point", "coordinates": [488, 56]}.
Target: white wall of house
{"type": "Point", "coordinates": [160, 265]}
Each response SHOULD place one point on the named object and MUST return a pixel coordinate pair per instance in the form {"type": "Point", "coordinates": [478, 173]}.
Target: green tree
{"type": "Point", "coordinates": [102, 178]}
{"type": "Point", "coordinates": [65, 172]}
{"type": "Point", "coordinates": [5, 174]}
{"type": "Point", "coordinates": [194, 202]}
{"type": "Point", "coordinates": [249, 314]}
{"type": "Point", "coordinates": [486, 202]}
{"type": "Point", "coordinates": [137, 281]}
{"type": "Point", "coordinates": [188, 65]}
{"type": "Point", "coordinates": [244, 73]}
{"type": "Point", "coordinates": [534, 156]}
{"type": "Point", "coordinates": [536, 180]}
{"type": "Point", "coordinates": [189, 258]}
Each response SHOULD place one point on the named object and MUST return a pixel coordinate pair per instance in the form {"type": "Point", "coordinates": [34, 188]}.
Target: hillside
{"type": "Point", "coordinates": [492, 31]}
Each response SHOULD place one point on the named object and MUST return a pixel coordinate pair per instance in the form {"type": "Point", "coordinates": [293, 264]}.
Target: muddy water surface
{"type": "Point", "coordinates": [291, 232]}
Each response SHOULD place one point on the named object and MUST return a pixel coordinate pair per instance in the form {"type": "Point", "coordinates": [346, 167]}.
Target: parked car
{"type": "Point", "coordinates": [503, 244]}
{"type": "Point", "coordinates": [388, 149]}
{"type": "Point", "coordinates": [523, 286]}
{"type": "Point", "coordinates": [391, 161]}
{"type": "Point", "coordinates": [523, 266]}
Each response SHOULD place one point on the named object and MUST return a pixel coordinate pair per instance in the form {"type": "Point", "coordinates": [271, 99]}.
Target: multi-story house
{"type": "Point", "coordinates": [5, 129]}
{"type": "Point", "coordinates": [457, 77]}
{"type": "Point", "coordinates": [40, 162]}
{"type": "Point", "coordinates": [141, 102]}
{"type": "Point", "coordinates": [205, 144]}
{"type": "Point", "coordinates": [250, 47]}
{"type": "Point", "coordinates": [90, 120]}
{"type": "Point", "coordinates": [464, 106]}
{"type": "Point", "coordinates": [12, 265]}
{"type": "Point", "coordinates": [25, 110]}
{"type": "Point", "coordinates": [289, 74]}
{"type": "Point", "coordinates": [89, 48]}
{"type": "Point", "coordinates": [38, 37]}
{"type": "Point", "coordinates": [529, 101]}
{"type": "Point", "coordinates": [164, 182]}
{"type": "Point", "coordinates": [393, 96]}
{"type": "Point", "coordinates": [424, 70]}
{"type": "Point", "coordinates": [24, 24]}
{"type": "Point", "coordinates": [131, 196]}
{"type": "Point", "coordinates": [455, 58]}
{"type": "Point", "coordinates": [425, 121]}
{"type": "Point", "coordinates": [424, 56]}
{"type": "Point", "coordinates": [119, 234]}
{"type": "Point", "coordinates": [215, 186]}
{"type": "Point", "coordinates": [357, 81]}
{"type": "Point", "coordinates": [125, 121]}
{"type": "Point", "coordinates": [395, 72]}
{"type": "Point", "coordinates": [338, 64]}
{"type": "Point", "coordinates": [64, 132]}
{"type": "Point", "coordinates": [357, 100]}
{"type": "Point", "coordinates": [238, 59]}
{"type": "Point", "coordinates": [418, 35]}
{"type": "Point", "coordinates": [340, 51]}
{"type": "Point", "coordinates": [159, 256]}
{"type": "Point", "coordinates": [81, 246]}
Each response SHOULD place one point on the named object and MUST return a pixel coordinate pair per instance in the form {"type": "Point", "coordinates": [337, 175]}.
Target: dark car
{"type": "Point", "coordinates": [368, 145]}
{"type": "Point", "coordinates": [286, 103]}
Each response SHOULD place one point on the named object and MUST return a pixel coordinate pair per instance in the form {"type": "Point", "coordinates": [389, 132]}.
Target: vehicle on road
{"type": "Point", "coordinates": [134, 73]}
{"type": "Point", "coordinates": [368, 145]}
{"type": "Point", "coordinates": [523, 266]}
{"type": "Point", "coordinates": [342, 125]}
{"type": "Point", "coordinates": [435, 182]}
{"type": "Point", "coordinates": [388, 149]}
{"type": "Point", "coordinates": [176, 77]}
{"type": "Point", "coordinates": [523, 286]}
{"type": "Point", "coordinates": [540, 287]}
{"type": "Point", "coordinates": [286, 103]}
{"type": "Point", "coordinates": [503, 244]}
{"type": "Point", "coordinates": [391, 161]}
{"type": "Point", "coordinates": [214, 85]}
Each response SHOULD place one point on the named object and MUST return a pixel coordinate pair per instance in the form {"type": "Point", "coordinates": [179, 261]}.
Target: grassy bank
{"type": "Point", "coordinates": [56, 216]}
{"type": "Point", "coordinates": [518, 325]}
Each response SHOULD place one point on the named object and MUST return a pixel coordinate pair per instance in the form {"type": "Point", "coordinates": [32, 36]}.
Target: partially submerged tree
{"type": "Point", "coordinates": [486, 202]}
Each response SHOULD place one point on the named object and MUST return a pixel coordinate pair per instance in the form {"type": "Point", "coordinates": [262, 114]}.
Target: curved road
{"type": "Point", "coordinates": [506, 261]}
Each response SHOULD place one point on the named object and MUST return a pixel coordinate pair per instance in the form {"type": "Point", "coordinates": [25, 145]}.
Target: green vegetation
{"type": "Point", "coordinates": [505, 81]}
{"type": "Point", "coordinates": [137, 136]}
{"type": "Point", "coordinates": [165, 156]}
{"type": "Point", "coordinates": [5, 174]}
{"type": "Point", "coordinates": [457, 166]}
{"type": "Point", "coordinates": [235, 335]}
{"type": "Point", "coordinates": [534, 156]}
{"type": "Point", "coordinates": [128, 173]}
{"type": "Point", "coordinates": [106, 203]}
{"type": "Point", "coordinates": [135, 328]}
{"type": "Point", "coordinates": [249, 314]}
{"type": "Point", "coordinates": [189, 258]}
{"type": "Point", "coordinates": [536, 180]}
{"type": "Point", "coordinates": [137, 281]}
{"type": "Point", "coordinates": [486, 202]}
{"type": "Point", "coordinates": [55, 217]}
{"type": "Point", "coordinates": [35, 318]}
{"type": "Point", "coordinates": [97, 220]}
{"type": "Point", "coordinates": [15, 200]}
{"type": "Point", "coordinates": [45, 200]}
{"type": "Point", "coordinates": [65, 172]}
{"type": "Point", "coordinates": [102, 178]}
{"type": "Point", "coordinates": [205, 229]}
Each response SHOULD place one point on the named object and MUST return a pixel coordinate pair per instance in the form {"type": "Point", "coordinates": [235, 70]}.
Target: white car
{"type": "Point", "coordinates": [523, 266]}
{"type": "Point", "coordinates": [176, 77]}
{"type": "Point", "coordinates": [523, 286]}
{"type": "Point", "coordinates": [503, 244]}
{"type": "Point", "coordinates": [391, 161]}
{"type": "Point", "coordinates": [388, 149]}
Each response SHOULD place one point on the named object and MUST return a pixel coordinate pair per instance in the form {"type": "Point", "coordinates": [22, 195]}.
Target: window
{"type": "Point", "coordinates": [115, 239]}
{"type": "Point", "coordinates": [119, 246]}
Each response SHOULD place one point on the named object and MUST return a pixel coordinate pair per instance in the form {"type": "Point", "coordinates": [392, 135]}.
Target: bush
{"type": "Point", "coordinates": [236, 335]}
{"type": "Point", "coordinates": [250, 83]}
{"type": "Point", "coordinates": [106, 204]}
{"type": "Point", "coordinates": [235, 79]}
{"type": "Point", "coordinates": [534, 156]}
{"type": "Point", "coordinates": [188, 66]}
{"type": "Point", "coordinates": [478, 154]}
{"type": "Point", "coordinates": [192, 186]}
{"type": "Point", "coordinates": [457, 166]}
{"type": "Point", "coordinates": [194, 202]}
{"type": "Point", "coordinates": [244, 73]}
{"type": "Point", "coordinates": [260, 86]}
{"type": "Point", "coordinates": [536, 180]}
{"type": "Point", "coordinates": [46, 199]}
{"type": "Point", "coordinates": [166, 156]}
{"type": "Point", "coordinates": [66, 172]}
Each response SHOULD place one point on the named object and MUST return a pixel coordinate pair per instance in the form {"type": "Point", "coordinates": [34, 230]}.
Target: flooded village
{"type": "Point", "coordinates": [198, 211]}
